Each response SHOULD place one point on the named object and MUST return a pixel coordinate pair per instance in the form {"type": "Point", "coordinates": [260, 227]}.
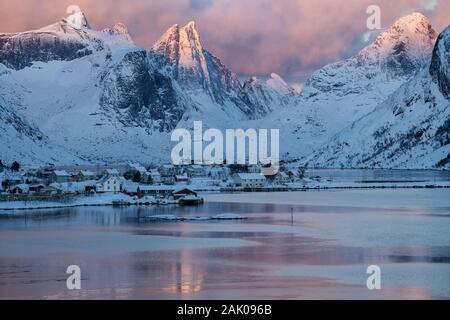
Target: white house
{"type": "Point", "coordinates": [109, 184]}
{"type": "Point", "coordinates": [249, 180]}
{"type": "Point", "coordinates": [60, 176]}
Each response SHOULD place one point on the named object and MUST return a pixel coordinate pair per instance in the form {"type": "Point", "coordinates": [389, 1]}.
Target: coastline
{"type": "Point", "coordinates": [6, 208]}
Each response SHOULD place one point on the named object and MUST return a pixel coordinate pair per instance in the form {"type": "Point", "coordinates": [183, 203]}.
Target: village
{"type": "Point", "coordinates": [139, 184]}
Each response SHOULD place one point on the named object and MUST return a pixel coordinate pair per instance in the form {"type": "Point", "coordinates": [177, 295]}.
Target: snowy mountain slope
{"type": "Point", "coordinates": [340, 93]}
{"type": "Point", "coordinates": [411, 129]}
{"type": "Point", "coordinates": [66, 40]}
{"type": "Point", "coordinates": [120, 34]}
{"type": "Point", "coordinates": [106, 105]}
{"type": "Point", "coordinates": [16, 132]}
{"type": "Point", "coordinates": [270, 95]}
{"type": "Point", "coordinates": [107, 100]}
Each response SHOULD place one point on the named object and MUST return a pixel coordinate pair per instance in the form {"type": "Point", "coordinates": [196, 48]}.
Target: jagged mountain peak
{"type": "Point", "coordinates": [415, 19]}
{"type": "Point", "coordinates": [277, 83]}
{"type": "Point", "coordinates": [191, 25]}
{"type": "Point", "coordinates": [182, 46]}
{"type": "Point", "coordinates": [119, 29]}
{"type": "Point", "coordinates": [404, 45]}
{"type": "Point", "coordinates": [274, 82]}
{"type": "Point", "coordinates": [78, 20]}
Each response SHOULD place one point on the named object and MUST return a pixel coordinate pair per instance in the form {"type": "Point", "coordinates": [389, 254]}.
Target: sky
{"type": "Point", "coordinates": [252, 37]}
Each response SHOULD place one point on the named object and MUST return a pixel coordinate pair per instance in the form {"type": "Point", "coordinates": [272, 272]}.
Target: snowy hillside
{"type": "Point", "coordinates": [339, 94]}
{"type": "Point", "coordinates": [16, 132]}
{"type": "Point", "coordinates": [411, 129]}
{"type": "Point", "coordinates": [103, 104]}
{"type": "Point", "coordinates": [104, 99]}
{"type": "Point", "coordinates": [107, 100]}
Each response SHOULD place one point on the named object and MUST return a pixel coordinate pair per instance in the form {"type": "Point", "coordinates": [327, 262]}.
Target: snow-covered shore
{"type": "Point", "coordinates": [110, 199]}
{"type": "Point", "coordinates": [80, 201]}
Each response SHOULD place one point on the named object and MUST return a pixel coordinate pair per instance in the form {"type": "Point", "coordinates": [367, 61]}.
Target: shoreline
{"type": "Point", "coordinates": [106, 200]}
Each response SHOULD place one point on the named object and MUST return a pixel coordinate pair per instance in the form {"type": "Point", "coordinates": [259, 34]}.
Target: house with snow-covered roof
{"type": "Point", "coordinates": [109, 184]}
{"type": "Point", "coordinates": [249, 180]}
{"type": "Point", "coordinates": [154, 177]}
{"type": "Point", "coordinates": [60, 176]}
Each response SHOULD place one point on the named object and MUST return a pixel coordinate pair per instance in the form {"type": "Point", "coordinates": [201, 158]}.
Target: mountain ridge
{"type": "Point", "coordinates": [109, 95]}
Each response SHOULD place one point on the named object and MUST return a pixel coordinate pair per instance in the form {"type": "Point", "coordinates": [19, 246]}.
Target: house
{"type": "Point", "coordinates": [11, 180]}
{"type": "Point", "coordinates": [130, 188]}
{"type": "Point", "coordinates": [49, 191]}
{"type": "Point", "coordinates": [183, 192]}
{"type": "Point", "coordinates": [249, 180]}
{"type": "Point", "coordinates": [109, 184]}
{"type": "Point", "coordinates": [38, 188]}
{"type": "Point", "coordinates": [20, 189]}
{"type": "Point", "coordinates": [45, 174]}
{"type": "Point", "coordinates": [31, 172]}
{"type": "Point", "coordinates": [85, 175]}
{"type": "Point", "coordinates": [181, 178]}
{"type": "Point", "coordinates": [154, 177]}
{"type": "Point", "coordinates": [60, 176]}
{"type": "Point", "coordinates": [161, 191]}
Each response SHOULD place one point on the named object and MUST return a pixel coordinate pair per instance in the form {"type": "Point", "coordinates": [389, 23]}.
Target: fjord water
{"type": "Point", "coordinates": [322, 254]}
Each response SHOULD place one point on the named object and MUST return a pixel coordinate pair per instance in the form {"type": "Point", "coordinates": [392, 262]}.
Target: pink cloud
{"type": "Point", "coordinates": [290, 37]}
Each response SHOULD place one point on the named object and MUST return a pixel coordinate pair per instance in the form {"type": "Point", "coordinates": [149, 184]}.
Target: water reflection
{"type": "Point", "coordinates": [324, 254]}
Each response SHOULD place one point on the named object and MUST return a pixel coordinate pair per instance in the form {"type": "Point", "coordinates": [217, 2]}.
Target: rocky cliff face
{"type": "Point", "coordinates": [105, 99]}
{"type": "Point", "coordinates": [141, 96]}
{"type": "Point", "coordinates": [440, 63]}
{"type": "Point", "coordinates": [268, 96]}
{"type": "Point", "coordinates": [198, 71]}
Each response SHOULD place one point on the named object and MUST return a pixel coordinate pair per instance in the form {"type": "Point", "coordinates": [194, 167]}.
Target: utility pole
{"type": "Point", "coordinates": [292, 216]}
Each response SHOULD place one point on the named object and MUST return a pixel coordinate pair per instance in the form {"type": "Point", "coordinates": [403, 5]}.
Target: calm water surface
{"type": "Point", "coordinates": [322, 254]}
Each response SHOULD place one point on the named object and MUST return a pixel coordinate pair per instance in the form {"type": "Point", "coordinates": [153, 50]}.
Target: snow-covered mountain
{"type": "Point", "coordinates": [93, 92]}
{"type": "Point", "coordinates": [411, 129]}
{"type": "Point", "coordinates": [268, 96]}
{"type": "Point", "coordinates": [66, 40]}
{"type": "Point", "coordinates": [208, 80]}
{"type": "Point", "coordinates": [107, 100]}
{"type": "Point", "coordinates": [340, 93]}
{"type": "Point", "coordinates": [23, 141]}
